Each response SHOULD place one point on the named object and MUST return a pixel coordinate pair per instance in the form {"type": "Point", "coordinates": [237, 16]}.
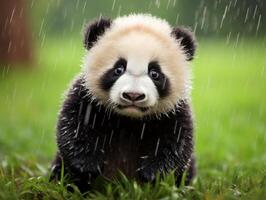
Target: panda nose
{"type": "Point", "coordinates": [132, 96]}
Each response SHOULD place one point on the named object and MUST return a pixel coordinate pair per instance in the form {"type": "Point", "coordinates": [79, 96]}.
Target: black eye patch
{"type": "Point", "coordinates": [159, 79]}
{"type": "Point", "coordinates": [111, 75]}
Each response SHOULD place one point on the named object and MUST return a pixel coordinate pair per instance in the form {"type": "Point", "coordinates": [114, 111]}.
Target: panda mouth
{"type": "Point", "coordinates": [142, 109]}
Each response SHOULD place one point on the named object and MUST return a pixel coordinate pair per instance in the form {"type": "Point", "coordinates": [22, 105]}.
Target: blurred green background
{"type": "Point", "coordinates": [229, 84]}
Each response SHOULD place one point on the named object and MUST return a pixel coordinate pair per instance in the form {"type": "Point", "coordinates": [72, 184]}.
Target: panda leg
{"type": "Point", "coordinates": [56, 167]}
{"type": "Point", "coordinates": [190, 173]}
{"type": "Point", "coordinates": [81, 180]}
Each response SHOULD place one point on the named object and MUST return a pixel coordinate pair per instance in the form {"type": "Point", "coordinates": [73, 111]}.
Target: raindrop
{"type": "Point", "coordinates": [43, 39]}
{"type": "Point", "coordinates": [228, 38]}
{"type": "Point", "coordinates": [203, 17]}
{"type": "Point", "coordinates": [9, 46]}
{"type": "Point", "coordinates": [177, 18]}
{"type": "Point", "coordinates": [157, 3]}
{"type": "Point", "coordinates": [47, 9]}
{"type": "Point", "coordinates": [168, 4]}
{"type": "Point", "coordinates": [140, 168]}
{"type": "Point", "coordinates": [237, 39]}
{"type": "Point", "coordinates": [104, 140]}
{"type": "Point", "coordinates": [87, 115]}
{"type": "Point", "coordinates": [144, 157]}
{"type": "Point", "coordinates": [119, 10]}
{"type": "Point", "coordinates": [235, 3]}
{"type": "Point", "coordinates": [195, 27]}
{"type": "Point", "coordinates": [21, 12]}
{"type": "Point", "coordinates": [179, 132]}
{"type": "Point", "coordinates": [99, 169]}
{"type": "Point", "coordinates": [84, 7]}
{"type": "Point", "coordinates": [110, 140]}
{"type": "Point", "coordinates": [258, 24]}
{"type": "Point", "coordinates": [157, 146]}
{"type": "Point", "coordinates": [246, 17]}
{"type": "Point", "coordinates": [77, 130]}
{"type": "Point", "coordinates": [229, 6]}
{"type": "Point", "coordinates": [32, 3]}
{"type": "Point", "coordinates": [255, 11]}
{"type": "Point", "coordinates": [113, 5]}
{"type": "Point", "coordinates": [142, 131]}
{"type": "Point", "coordinates": [222, 21]}
{"type": "Point", "coordinates": [96, 144]}
{"type": "Point", "coordinates": [174, 3]}
{"type": "Point", "coordinates": [109, 115]}
{"type": "Point", "coordinates": [94, 120]}
{"type": "Point", "coordinates": [12, 14]}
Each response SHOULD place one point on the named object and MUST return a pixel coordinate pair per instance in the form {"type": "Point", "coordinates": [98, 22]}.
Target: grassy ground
{"type": "Point", "coordinates": [230, 112]}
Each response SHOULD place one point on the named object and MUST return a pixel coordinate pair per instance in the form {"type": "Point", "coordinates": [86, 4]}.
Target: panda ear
{"type": "Point", "coordinates": [187, 41]}
{"type": "Point", "coordinates": [94, 30]}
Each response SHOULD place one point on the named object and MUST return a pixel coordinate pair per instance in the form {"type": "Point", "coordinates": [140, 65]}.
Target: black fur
{"type": "Point", "coordinates": [93, 142]}
{"type": "Point", "coordinates": [94, 30]}
{"type": "Point", "coordinates": [187, 41]}
{"type": "Point", "coordinates": [162, 82]}
{"type": "Point", "coordinates": [109, 77]}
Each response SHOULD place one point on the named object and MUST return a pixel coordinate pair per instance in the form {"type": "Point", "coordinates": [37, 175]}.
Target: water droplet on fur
{"type": "Point", "coordinates": [87, 115]}
{"type": "Point", "coordinates": [77, 131]}
{"type": "Point", "coordinates": [111, 136]}
{"type": "Point", "coordinates": [179, 133]}
{"type": "Point", "coordinates": [94, 120]}
{"type": "Point", "coordinates": [142, 131]}
{"type": "Point", "coordinates": [157, 146]}
{"type": "Point", "coordinates": [104, 140]}
{"type": "Point", "coordinates": [96, 144]}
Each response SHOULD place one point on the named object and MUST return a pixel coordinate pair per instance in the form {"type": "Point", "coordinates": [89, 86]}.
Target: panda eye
{"type": "Point", "coordinates": [120, 70]}
{"type": "Point", "coordinates": [154, 75]}
{"type": "Point", "coordinates": [120, 67]}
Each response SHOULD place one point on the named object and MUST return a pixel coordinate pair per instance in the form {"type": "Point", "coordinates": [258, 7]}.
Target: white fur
{"type": "Point", "coordinates": [139, 39]}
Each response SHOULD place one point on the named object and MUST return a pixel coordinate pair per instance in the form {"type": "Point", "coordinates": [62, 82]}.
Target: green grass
{"type": "Point", "coordinates": [230, 113]}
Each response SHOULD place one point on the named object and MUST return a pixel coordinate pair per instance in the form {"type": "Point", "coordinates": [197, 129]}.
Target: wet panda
{"type": "Point", "coordinates": [129, 109]}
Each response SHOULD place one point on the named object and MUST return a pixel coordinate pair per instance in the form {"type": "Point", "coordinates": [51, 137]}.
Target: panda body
{"type": "Point", "coordinates": [129, 109]}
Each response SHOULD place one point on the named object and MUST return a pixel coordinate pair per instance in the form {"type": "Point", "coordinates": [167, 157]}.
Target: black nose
{"type": "Point", "coordinates": [132, 96]}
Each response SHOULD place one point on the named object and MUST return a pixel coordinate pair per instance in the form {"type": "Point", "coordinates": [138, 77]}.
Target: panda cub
{"type": "Point", "coordinates": [129, 109]}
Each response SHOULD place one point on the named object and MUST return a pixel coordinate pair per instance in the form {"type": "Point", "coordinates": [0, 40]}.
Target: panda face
{"type": "Point", "coordinates": [135, 90]}
{"type": "Point", "coordinates": [137, 70]}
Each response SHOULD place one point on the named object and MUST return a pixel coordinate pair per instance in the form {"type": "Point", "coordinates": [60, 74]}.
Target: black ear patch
{"type": "Point", "coordinates": [187, 41]}
{"type": "Point", "coordinates": [94, 30]}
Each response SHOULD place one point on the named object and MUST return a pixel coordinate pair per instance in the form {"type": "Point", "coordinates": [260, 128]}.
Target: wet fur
{"type": "Point", "coordinates": [94, 140]}
{"type": "Point", "coordinates": [108, 142]}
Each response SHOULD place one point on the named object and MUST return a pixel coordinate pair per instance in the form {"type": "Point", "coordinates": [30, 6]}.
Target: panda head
{"type": "Point", "coordinates": [137, 65]}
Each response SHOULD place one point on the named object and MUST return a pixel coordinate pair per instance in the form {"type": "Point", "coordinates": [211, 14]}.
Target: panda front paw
{"type": "Point", "coordinates": [86, 168]}
{"type": "Point", "coordinates": [148, 171]}
{"type": "Point", "coordinates": [146, 175]}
